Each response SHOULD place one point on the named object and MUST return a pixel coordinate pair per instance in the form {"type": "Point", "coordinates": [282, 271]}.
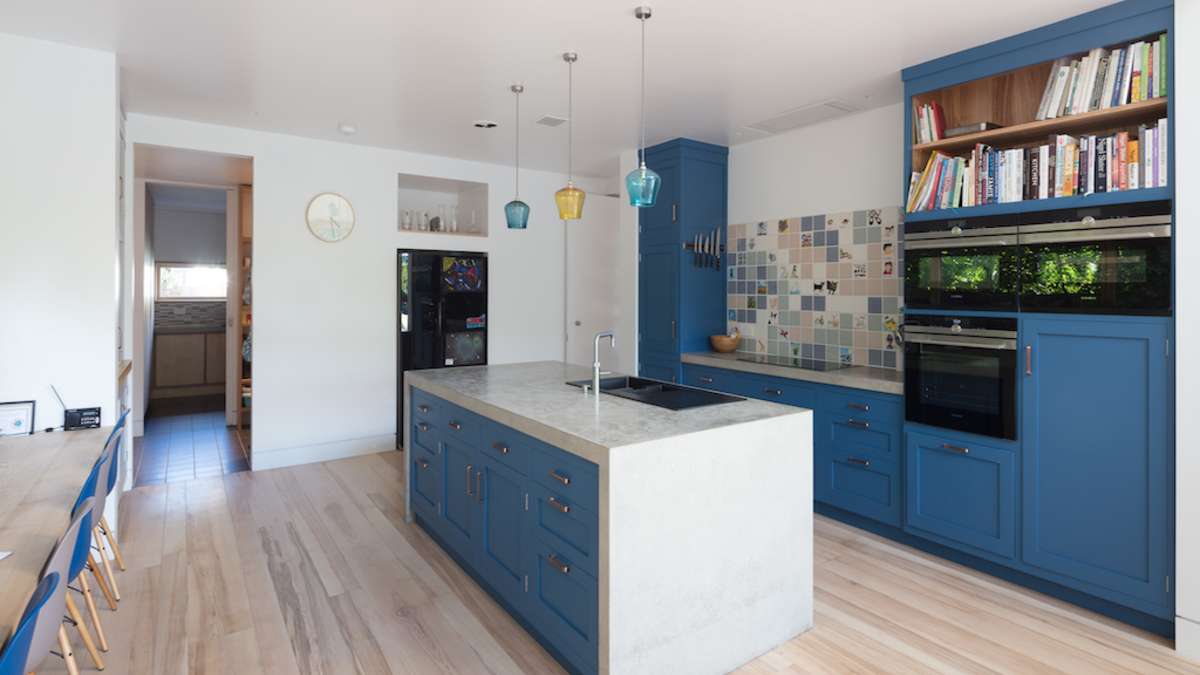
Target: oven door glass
{"type": "Point", "coordinates": [970, 389]}
{"type": "Point", "coordinates": [1126, 276]}
{"type": "Point", "coordinates": [961, 277]}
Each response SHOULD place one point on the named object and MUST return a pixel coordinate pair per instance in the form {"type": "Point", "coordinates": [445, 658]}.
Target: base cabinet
{"type": "Point", "coordinates": [519, 515]}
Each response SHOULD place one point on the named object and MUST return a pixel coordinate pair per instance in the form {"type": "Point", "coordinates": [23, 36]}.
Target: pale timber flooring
{"type": "Point", "coordinates": [312, 570]}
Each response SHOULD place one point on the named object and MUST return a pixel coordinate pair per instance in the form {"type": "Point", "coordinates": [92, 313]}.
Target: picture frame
{"type": "Point", "coordinates": [17, 418]}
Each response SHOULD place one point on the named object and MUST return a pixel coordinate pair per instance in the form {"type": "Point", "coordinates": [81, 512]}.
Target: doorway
{"type": "Point", "coordinates": [191, 314]}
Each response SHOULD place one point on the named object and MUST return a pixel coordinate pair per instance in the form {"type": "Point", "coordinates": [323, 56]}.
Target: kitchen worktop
{"type": "Point", "coordinates": [535, 399]}
{"type": "Point", "coordinates": [882, 380]}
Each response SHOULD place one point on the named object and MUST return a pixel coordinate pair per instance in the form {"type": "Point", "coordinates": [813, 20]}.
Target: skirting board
{"type": "Point", "coordinates": [320, 452]}
{"type": "Point", "coordinates": [1187, 638]}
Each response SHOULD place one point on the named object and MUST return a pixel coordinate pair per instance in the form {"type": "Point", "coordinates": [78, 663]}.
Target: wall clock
{"type": "Point", "coordinates": [330, 217]}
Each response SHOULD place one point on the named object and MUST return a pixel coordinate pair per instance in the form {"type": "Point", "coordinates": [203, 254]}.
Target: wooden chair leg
{"type": "Point", "coordinates": [108, 571]}
{"type": "Point", "coordinates": [90, 601]}
{"type": "Point", "coordinates": [84, 633]}
{"type": "Point", "coordinates": [112, 542]}
{"type": "Point", "coordinates": [108, 596]}
{"type": "Point", "coordinates": [69, 656]}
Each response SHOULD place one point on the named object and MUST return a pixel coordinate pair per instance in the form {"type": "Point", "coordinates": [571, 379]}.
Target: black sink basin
{"type": "Point", "coordinates": [658, 393]}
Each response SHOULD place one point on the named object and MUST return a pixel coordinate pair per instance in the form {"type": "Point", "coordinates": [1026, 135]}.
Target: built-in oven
{"type": "Point", "coordinates": [1115, 260]}
{"type": "Point", "coordinates": [961, 373]}
{"type": "Point", "coordinates": [962, 264]}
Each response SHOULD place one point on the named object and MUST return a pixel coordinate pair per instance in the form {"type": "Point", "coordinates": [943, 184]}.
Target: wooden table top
{"type": "Point", "coordinates": [40, 478]}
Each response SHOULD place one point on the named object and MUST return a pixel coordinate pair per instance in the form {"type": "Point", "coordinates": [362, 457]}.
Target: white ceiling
{"type": "Point", "coordinates": [415, 75]}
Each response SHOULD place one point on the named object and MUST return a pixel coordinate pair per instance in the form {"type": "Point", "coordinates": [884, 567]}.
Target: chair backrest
{"type": "Point", "coordinates": [90, 484]}
{"type": "Point", "coordinates": [70, 554]}
{"type": "Point", "coordinates": [120, 426]}
{"type": "Point", "coordinates": [107, 474]}
{"type": "Point", "coordinates": [37, 630]}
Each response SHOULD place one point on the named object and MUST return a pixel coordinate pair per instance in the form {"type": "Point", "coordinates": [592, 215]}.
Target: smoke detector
{"type": "Point", "coordinates": [551, 120]}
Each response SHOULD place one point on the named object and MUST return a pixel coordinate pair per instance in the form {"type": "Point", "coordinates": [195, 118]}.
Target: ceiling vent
{"type": "Point", "coordinates": [803, 116]}
{"type": "Point", "coordinates": [552, 121]}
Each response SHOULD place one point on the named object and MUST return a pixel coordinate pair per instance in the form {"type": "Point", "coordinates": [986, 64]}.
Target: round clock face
{"type": "Point", "coordinates": [330, 217]}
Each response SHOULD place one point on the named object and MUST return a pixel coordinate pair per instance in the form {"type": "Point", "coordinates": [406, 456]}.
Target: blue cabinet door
{"type": "Point", "coordinates": [857, 482]}
{"type": "Point", "coordinates": [1096, 471]}
{"type": "Point", "coordinates": [426, 481]}
{"type": "Point", "coordinates": [501, 529]}
{"type": "Point", "coordinates": [459, 524]}
{"type": "Point", "coordinates": [659, 224]}
{"type": "Point", "coordinates": [964, 493]}
{"type": "Point", "coordinates": [658, 302]}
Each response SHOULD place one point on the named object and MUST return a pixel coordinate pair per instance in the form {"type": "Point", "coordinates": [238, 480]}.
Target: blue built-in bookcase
{"type": "Point", "coordinates": [1003, 81]}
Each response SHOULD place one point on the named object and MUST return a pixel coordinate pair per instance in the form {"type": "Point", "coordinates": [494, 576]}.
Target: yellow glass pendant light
{"type": "Point", "coordinates": [570, 198]}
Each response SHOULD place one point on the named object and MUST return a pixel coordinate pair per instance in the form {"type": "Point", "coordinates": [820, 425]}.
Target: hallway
{"type": "Point", "coordinates": [186, 438]}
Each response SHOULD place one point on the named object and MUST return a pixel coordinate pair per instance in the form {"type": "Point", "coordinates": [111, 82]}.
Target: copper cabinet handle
{"type": "Point", "coordinates": [956, 448]}
{"type": "Point", "coordinates": [559, 565]}
{"type": "Point", "coordinates": [423, 426]}
{"type": "Point", "coordinates": [565, 480]}
{"type": "Point", "coordinates": [478, 490]}
{"type": "Point", "coordinates": [706, 380]}
{"type": "Point", "coordinates": [858, 423]}
{"type": "Point", "coordinates": [859, 406]}
{"type": "Point", "coordinates": [457, 426]}
{"type": "Point", "coordinates": [674, 213]}
{"type": "Point", "coordinates": [561, 507]}
{"type": "Point", "coordinates": [423, 463]}
{"type": "Point", "coordinates": [500, 447]}
{"type": "Point", "coordinates": [423, 408]}
{"type": "Point", "coordinates": [469, 468]}
{"type": "Point", "coordinates": [1028, 359]}
{"type": "Point", "coordinates": [860, 462]}
{"type": "Point", "coordinates": [773, 392]}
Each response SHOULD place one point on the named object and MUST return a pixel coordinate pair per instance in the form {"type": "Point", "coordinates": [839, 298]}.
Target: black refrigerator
{"type": "Point", "coordinates": [442, 314]}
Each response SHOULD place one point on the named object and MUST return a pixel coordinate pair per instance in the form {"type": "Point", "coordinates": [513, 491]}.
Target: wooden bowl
{"type": "Point", "coordinates": [724, 343]}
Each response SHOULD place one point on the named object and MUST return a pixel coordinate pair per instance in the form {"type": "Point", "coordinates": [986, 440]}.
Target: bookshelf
{"type": "Point", "coordinates": [245, 314]}
{"type": "Point", "coordinates": [1003, 83]}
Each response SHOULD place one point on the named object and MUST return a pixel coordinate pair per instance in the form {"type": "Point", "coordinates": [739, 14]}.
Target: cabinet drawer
{"type": "Point", "coordinates": [779, 390]}
{"type": "Point", "coordinates": [566, 475]}
{"type": "Point", "coordinates": [962, 492]}
{"type": "Point", "coordinates": [851, 404]}
{"type": "Point", "coordinates": [425, 434]}
{"type": "Point", "coordinates": [461, 425]}
{"type": "Point", "coordinates": [567, 525]}
{"type": "Point", "coordinates": [715, 379]}
{"type": "Point", "coordinates": [858, 483]}
{"type": "Point", "coordinates": [563, 605]}
{"type": "Point", "coordinates": [426, 407]}
{"type": "Point", "coordinates": [426, 481]}
{"type": "Point", "coordinates": [507, 446]}
{"type": "Point", "coordinates": [854, 435]}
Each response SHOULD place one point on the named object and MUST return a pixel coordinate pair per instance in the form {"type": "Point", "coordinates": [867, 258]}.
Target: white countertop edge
{"type": "Point", "coordinates": [880, 380]}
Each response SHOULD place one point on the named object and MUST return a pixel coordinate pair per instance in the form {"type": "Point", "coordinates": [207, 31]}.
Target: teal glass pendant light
{"type": "Point", "coordinates": [516, 212]}
{"type": "Point", "coordinates": [642, 183]}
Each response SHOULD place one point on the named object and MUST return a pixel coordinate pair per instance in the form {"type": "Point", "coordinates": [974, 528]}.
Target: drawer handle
{"type": "Point", "coordinates": [423, 408]}
{"type": "Point", "coordinates": [469, 493]}
{"type": "Point", "coordinates": [706, 380]}
{"type": "Point", "coordinates": [478, 490]}
{"type": "Point", "coordinates": [423, 463]}
{"type": "Point", "coordinates": [864, 407]}
{"type": "Point", "coordinates": [858, 423]}
{"type": "Point", "coordinates": [956, 448]}
{"type": "Point", "coordinates": [561, 507]}
{"type": "Point", "coordinates": [500, 447]}
{"type": "Point", "coordinates": [423, 426]}
{"type": "Point", "coordinates": [773, 392]}
{"type": "Point", "coordinates": [565, 480]}
{"type": "Point", "coordinates": [559, 565]}
{"type": "Point", "coordinates": [457, 426]}
{"type": "Point", "coordinates": [860, 462]}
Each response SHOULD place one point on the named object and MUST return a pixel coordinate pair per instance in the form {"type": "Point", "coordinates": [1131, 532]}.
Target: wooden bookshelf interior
{"type": "Point", "coordinates": [245, 314]}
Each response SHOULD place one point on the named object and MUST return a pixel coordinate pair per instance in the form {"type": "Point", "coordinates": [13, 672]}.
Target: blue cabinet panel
{"type": "Point", "coordinates": [858, 483]}
{"type": "Point", "coordinates": [659, 367]}
{"type": "Point", "coordinates": [716, 379]}
{"type": "Point", "coordinates": [564, 604]}
{"type": "Point", "coordinates": [659, 224]}
{"type": "Point", "coordinates": [566, 475]}
{"type": "Point", "coordinates": [507, 446]}
{"type": "Point", "coordinates": [779, 390]}
{"type": "Point", "coordinates": [1097, 488]}
{"type": "Point", "coordinates": [963, 493]}
{"type": "Point", "coordinates": [502, 530]}
{"type": "Point", "coordinates": [459, 523]}
{"type": "Point", "coordinates": [425, 433]}
{"type": "Point", "coordinates": [426, 482]}
{"type": "Point", "coordinates": [570, 527]}
{"type": "Point", "coordinates": [658, 300]}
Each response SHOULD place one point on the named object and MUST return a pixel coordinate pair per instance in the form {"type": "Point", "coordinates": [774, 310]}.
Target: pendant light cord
{"type": "Point", "coordinates": [643, 146]}
{"type": "Point", "coordinates": [517, 152]}
{"type": "Point", "coordinates": [570, 121]}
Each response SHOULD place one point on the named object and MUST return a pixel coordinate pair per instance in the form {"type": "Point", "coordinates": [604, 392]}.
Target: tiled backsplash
{"type": "Point", "coordinates": [191, 313]}
{"type": "Point", "coordinates": [823, 288]}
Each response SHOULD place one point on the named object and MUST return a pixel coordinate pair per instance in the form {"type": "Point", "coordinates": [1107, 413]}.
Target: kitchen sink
{"type": "Point", "coordinates": [658, 393]}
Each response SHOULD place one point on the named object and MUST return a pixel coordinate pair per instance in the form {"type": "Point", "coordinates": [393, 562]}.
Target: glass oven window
{"type": "Point", "coordinates": [961, 277]}
{"type": "Point", "coordinates": [1119, 277]}
{"type": "Point", "coordinates": [966, 388]}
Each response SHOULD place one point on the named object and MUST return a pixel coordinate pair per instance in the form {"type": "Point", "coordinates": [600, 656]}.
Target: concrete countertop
{"type": "Point", "coordinates": [882, 380]}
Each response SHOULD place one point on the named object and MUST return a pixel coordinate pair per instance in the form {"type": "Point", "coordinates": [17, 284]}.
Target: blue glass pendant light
{"type": "Point", "coordinates": [642, 183]}
{"type": "Point", "coordinates": [516, 212]}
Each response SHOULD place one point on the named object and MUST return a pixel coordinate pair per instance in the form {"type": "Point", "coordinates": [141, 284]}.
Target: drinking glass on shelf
{"type": "Point", "coordinates": [424, 221]}
{"type": "Point", "coordinates": [406, 219]}
{"type": "Point", "coordinates": [454, 219]}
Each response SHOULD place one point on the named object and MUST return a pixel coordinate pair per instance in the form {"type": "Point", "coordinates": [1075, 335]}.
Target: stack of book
{"type": "Point", "coordinates": [930, 123]}
{"type": "Point", "coordinates": [1105, 78]}
{"type": "Point", "coordinates": [1063, 167]}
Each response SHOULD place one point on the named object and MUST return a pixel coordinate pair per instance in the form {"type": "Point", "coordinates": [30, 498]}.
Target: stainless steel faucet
{"type": "Point", "coordinates": [612, 341]}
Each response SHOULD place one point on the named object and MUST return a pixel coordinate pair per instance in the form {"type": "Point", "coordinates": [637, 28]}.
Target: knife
{"type": "Point", "coordinates": [696, 250]}
{"type": "Point", "coordinates": [720, 254]}
{"type": "Point", "coordinates": [707, 248]}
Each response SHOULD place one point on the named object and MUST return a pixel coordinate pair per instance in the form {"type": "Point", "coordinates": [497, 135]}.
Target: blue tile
{"type": "Point", "coordinates": [875, 357]}
{"type": "Point", "coordinates": [751, 316]}
{"type": "Point", "coordinates": [831, 238]}
{"type": "Point", "coordinates": [831, 254]}
{"type": "Point", "coordinates": [818, 238]}
{"type": "Point", "coordinates": [818, 303]}
{"type": "Point", "coordinates": [806, 224]}
{"type": "Point", "coordinates": [762, 272]}
{"type": "Point", "coordinates": [741, 244]}
{"type": "Point", "coordinates": [818, 222]}
{"type": "Point", "coordinates": [806, 302]}
{"type": "Point", "coordinates": [874, 305]}
{"type": "Point", "coordinates": [819, 352]}
{"type": "Point", "coordinates": [732, 315]}
{"type": "Point", "coordinates": [889, 359]}
{"type": "Point", "coordinates": [772, 288]}
{"type": "Point", "coordinates": [741, 272]}
{"type": "Point", "coordinates": [806, 350]}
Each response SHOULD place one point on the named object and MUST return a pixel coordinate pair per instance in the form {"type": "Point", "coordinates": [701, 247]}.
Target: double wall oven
{"type": "Point", "coordinates": [960, 370]}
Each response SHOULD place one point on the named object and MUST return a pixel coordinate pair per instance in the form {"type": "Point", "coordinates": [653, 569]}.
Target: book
{"type": "Point", "coordinates": [1162, 152]}
{"type": "Point", "coordinates": [1069, 90]}
{"type": "Point", "coordinates": [1135, 77]}
{"type": "Point", "coordinates": [1060, 84]}
{"type": "Point", "coordinates": [1132, 164]}
{"type": "Point", "coordinates": [1102, 165]}
{"type": "Point", "coordinates": [1122, 94]}
{"type": "Point", "coordinates": [1048, 91]}
{"type": "Point", "coordinates": [1101, 74]}
{"type": "Point", "coordinates": [1162, 81]}
{"type": "Point", "coordinates": [1114, 61]}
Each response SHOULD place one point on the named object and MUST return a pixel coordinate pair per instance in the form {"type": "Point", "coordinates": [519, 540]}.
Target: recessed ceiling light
{"type": "Point", "coordinates": [348, 128]}
{"type": "Point", "coordinates": [484, 124]}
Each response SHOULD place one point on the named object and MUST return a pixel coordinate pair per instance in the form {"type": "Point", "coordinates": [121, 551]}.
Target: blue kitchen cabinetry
{"type": "Point", "coordinates": [681, 297]}
{"type": "Point", "coordinates": [519, 515]}
{"type": "Point", "coordinates": [1096, 415]}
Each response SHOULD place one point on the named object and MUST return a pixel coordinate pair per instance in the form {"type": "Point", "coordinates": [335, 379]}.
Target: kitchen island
{"type": "Point", "coordinates": [627, 538]}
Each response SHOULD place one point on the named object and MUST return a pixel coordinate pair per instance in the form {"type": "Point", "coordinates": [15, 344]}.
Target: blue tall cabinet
{"type": "Point", "coordinates": [680, 303]}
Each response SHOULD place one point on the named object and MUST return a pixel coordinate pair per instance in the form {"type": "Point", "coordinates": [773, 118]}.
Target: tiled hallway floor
{"type": "Point", "coordinates": [187, 439]}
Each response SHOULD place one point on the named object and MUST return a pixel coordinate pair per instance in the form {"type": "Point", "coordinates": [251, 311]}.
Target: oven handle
{"type": "Point", "coordinates": [1107, 234]}
{"type": "Point", "coordinates": [960, 242]}
{"type": "Point", "coordinates": [961, 341]}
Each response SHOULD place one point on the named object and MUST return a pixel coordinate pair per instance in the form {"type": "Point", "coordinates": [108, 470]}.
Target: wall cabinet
{"type": "Point", "coordinates": [189, 359]}
{"type": "Point", "coordinates": [680, 303]}
{"type": "Point", "coordinates": [519, 515]}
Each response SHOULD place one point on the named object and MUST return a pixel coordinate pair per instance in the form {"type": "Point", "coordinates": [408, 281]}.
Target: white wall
{"type": "Point", "coordinates": [1187, 331]}
{"type": "Point", "coordinates": [187, 236]}
{"type": "Point", "coordinates": [142, 325]}
{"type": "Point", "coordinates": [324, 323]}
{"type": "Point", "coordinates": [58, 265]}
{"type": "Point", "coordinates": [850, 163]}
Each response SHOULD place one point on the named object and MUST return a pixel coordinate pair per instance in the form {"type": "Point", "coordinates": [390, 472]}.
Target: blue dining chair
{"type": "Point", "coordinates": [109, 464]}
{"type": "Point", "coordinates": [40, 626]}
{"type": "Point", "coordinates": [114, 472]}
{"type": "Point", "coordinates": [91, 486]}
{"type": "Point", "coordinates": [67, 561]}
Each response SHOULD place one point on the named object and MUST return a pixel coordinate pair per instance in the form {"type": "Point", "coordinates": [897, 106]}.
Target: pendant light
{"type": "Point", "coordinates": [570, 198]}
{"type": "Point", "coordinates": [516, 212]}
{"type": "Point", "coordinates": [642, 183]}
